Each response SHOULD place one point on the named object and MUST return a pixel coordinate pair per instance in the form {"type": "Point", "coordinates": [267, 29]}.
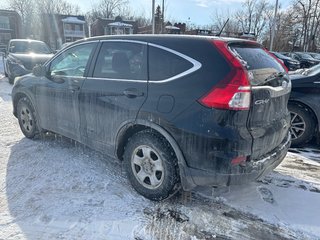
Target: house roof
{"type": "Point", "coordinates": [72, 20]}
{"type": "Point", "coordinates": [119, 24]}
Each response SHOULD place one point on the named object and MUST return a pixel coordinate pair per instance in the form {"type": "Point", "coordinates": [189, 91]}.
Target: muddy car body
{"type": "Point", "coordinates": [199, 111]}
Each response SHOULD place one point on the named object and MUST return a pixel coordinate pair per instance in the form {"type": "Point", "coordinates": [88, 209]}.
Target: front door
{"type": "Point", "coordinates": [58, 96]}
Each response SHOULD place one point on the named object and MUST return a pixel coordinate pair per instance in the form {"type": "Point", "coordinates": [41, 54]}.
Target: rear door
{"type": "Point", "coordinates": [269, 119]}
{"type": "Point", "coordinates": [115, 91]}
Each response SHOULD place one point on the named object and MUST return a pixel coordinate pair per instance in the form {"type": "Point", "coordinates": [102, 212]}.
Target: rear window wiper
{"type": "Point", "coordinates": [274, 75]}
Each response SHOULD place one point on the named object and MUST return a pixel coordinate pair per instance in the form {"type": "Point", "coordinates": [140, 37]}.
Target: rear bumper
{"type": "Point", "coordinates": [252, 171]}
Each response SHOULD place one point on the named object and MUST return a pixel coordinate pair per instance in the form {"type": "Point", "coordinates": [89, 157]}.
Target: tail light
{"type": "Point", "coordinates": [234, 91]}
{"type": "Point", "coordinates": [239, 160]}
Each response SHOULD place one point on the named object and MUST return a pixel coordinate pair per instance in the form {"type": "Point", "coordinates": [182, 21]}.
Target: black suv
{"type": "Point", "coordinates": [305, 59]}
{"type": "Point", "coordinates": [178, 110]}
{"type": "Point", "coordinates": [304, 105]}
{"type": "Point", "coordinates": [289, 62]}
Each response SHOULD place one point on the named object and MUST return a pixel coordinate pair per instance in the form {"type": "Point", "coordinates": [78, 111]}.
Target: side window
{"type": "Point", "coordinates": [164, 64]}
{"type": "Point", "coordinates": [121, 60]}
{"type": "Point", "coordinates": [73, 61]}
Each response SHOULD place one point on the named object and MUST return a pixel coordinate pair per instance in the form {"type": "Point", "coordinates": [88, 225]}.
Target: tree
{"type": "Point", "coordinates": [253, 17]}
{"type": "Point", "coordinates": [26, 10]}
{"type": "Point", "coordinates": [109, 9]}
{"type": "Point", "coordinates": [57, 7]}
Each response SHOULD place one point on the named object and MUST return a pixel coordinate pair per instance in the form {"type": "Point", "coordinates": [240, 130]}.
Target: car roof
{"type": "Point", "coordinates": [25, 40]}
{"type": "Point", "coordinates": [157, 37]}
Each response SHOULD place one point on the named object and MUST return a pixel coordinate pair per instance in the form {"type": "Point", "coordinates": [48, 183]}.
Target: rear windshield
{"type": "Point", "coordinates": [258, 62]}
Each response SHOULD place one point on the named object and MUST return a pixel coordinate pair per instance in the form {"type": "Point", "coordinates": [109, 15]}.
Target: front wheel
{"type": "Point", "coordinates": [27, 118]}
{"type": "Point", "coordinates": [302, 125]}
{"type": "Point", "coordinates": [151, 165]}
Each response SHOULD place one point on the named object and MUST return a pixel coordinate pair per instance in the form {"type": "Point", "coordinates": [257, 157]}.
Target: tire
{"type": "Point", "coordinates": [151, 165]}
{"type": "Point", "coordinates": [302, 125]}
{"type": "Point", "coordinates": [27, 118]}
{"type": "Point", "coordinates": [11, 79]}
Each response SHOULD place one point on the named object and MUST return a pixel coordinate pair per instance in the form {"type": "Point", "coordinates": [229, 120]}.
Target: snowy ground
{"type": "Point", "coordinates": [54, 188]}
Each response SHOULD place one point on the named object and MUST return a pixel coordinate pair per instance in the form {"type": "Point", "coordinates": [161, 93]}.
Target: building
{"type": "Point", "coordinates": [59, 29]}
{"type": "Point", "coordinates": [117, 26]}
{"type": "Point", "coordinates": [10, 27]}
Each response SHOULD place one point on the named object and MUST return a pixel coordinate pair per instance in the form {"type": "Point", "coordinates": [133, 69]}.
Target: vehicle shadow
{"type": "Point", "coordinates": [56, 188]}
{"type": "Point", "coordinates": [310, 150]}
{"type": "Point", "coordinates": [5, 89]}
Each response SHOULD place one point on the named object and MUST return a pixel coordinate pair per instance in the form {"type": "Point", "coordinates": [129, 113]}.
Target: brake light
{"type": "Point", "coordinates": [234, 91]}
{"type": "Point", "coordinates": [239, 160]}
{"type": "Point", "coordinates": [278, 60]}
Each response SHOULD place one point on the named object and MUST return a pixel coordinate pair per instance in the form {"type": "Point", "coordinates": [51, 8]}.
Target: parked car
{"type": "Point", "coordinates": [195, 111]}
{"type": "Point", "coordinates": [315, 55]}
{"type": "Point", "coordinates": [304, 105]}
{"type": "Point", "coordinates": [289, 62]}
{"type": "Point", "coordinates": [22, 55]}
{"type": "Point", "coordinates": [306, 61]}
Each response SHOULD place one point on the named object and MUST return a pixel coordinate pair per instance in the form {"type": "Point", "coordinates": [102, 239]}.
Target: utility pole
{"type": "Point", "coordinates": [273, 25]}
{"type": "Point", "coordinates": [162, 24]}
{"type": "Point", "coordinates": [153, 20]}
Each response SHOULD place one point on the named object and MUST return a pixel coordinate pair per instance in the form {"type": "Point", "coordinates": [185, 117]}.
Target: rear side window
{"type": "Point", "coordinates": [164, 64]}
{"type": "Point", "coordinates": [121, 60]}
{"type": "Point", "coordinates": [257, 61]}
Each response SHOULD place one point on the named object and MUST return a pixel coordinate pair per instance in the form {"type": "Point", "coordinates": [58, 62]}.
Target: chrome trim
{"type": "Point", "coordinates": [116, 79]}
{"type": "Point", "coordinates": [316, 82]}
{"type": "Point", "coordinates": [124, 40]}
{"type": "Point", "coordinates": [196, 65]}
{"type": "Point", "coordinates": [274, 91]}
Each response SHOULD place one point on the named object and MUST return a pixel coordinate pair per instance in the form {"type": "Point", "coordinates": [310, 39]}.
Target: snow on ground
{"type": "Point", "coordinates": [1, 67]}
{"type": "Point", "coordinates": [54, 188]}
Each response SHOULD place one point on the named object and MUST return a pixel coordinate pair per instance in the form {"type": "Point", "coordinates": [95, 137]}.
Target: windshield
{"type": "Point", "coordinates": [29, 47]}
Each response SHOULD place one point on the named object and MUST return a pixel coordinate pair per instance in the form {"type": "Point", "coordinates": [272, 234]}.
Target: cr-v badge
{"type": "Point", "coordinates": [262, 101]}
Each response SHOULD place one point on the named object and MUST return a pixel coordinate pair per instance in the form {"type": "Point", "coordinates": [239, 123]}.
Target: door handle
{"type": "Point", "coordinates": [132, 93]}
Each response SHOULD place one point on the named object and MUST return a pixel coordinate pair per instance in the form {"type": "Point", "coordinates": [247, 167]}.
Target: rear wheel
{"type": "Point", "coordinates": [151, 165]}
{"type": "Point", "coordinates": [27, 118]}
{"type": "Point", "coordinates": [11, 79]}
{"type": "Point", "coordinates": [302, 124]}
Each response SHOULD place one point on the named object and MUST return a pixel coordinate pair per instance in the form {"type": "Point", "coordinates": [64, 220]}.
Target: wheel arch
{"type": "Point", "coordinates": [132, 128]}
{"type": "Point", "coordinates": [16, 99]}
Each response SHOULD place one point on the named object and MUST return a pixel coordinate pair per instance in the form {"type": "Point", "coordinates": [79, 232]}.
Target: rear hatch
{"type": "Point", "coordinates": [268, 120]}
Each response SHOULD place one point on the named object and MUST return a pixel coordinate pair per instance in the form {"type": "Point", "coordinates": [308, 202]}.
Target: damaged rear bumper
{"type": "Point", "coordinates": [252, 170]}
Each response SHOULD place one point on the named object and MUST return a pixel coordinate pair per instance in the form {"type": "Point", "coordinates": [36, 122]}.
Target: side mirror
{"type": "Point", "coordinates": [39, 71]}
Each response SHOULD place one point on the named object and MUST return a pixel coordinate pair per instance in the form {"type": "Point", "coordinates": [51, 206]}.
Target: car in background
{"type": "Point", "coordinates": [315, 55]}
{"type": "Point", "coordinates": [304, 105]}
{"type": "Point", "coordinates": [178, 110]}
{"type": "Point", "coordinates": [305, 59]}
{"type": "Point", "coordinates": [289, 62]}
{"type": "Point", "coordinates": [22, 55]}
